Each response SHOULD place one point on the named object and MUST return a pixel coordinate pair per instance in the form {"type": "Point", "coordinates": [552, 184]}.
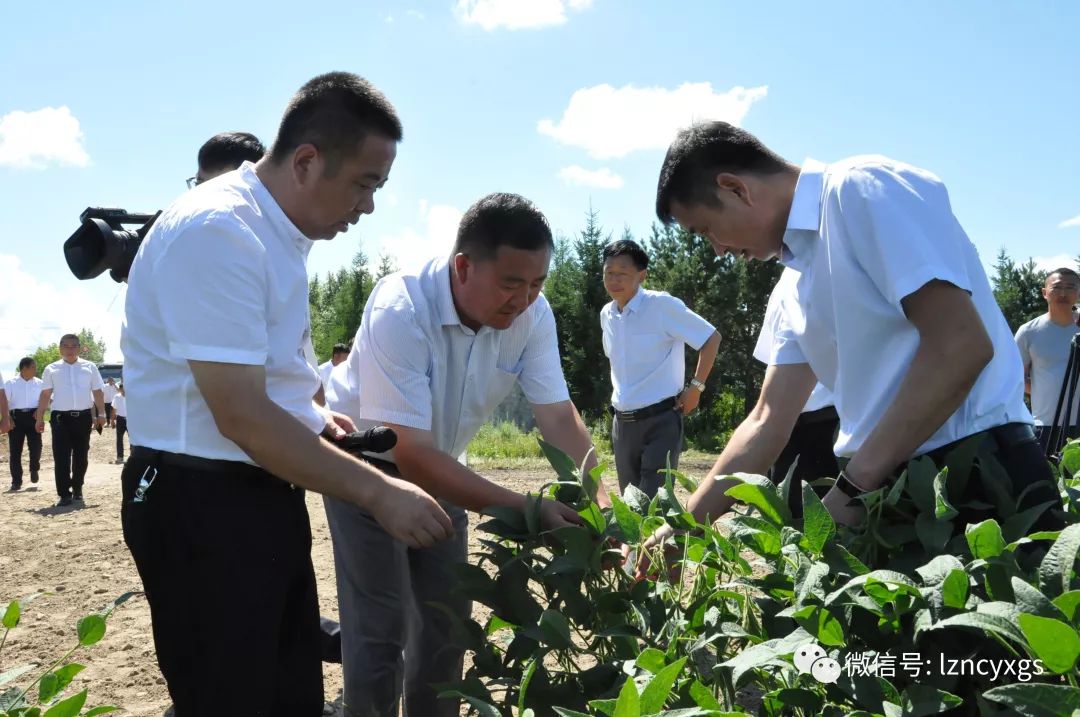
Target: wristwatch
{"type": "Point", "coordinates": [847, 487]}
{"type": "Point", "coordinates": [699, 385]}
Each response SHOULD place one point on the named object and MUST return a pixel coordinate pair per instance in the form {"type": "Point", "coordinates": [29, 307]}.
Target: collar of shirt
{"type": "Point", "coordinates": [804, 219]}
{"type": "Point", "coordinates": [633, 305]}
{"type": "Point", "coordinates": [274, 213]}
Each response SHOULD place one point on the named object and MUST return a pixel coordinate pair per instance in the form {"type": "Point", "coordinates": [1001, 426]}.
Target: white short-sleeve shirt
{"type": "Point", "coordinates": [22, 393]}
{"type": "Point", "coordinates": [72, 384]}
{"type": "Point", "coordinates": [645, 343]}
{"type": "Point", "coordinates": [414, 363]}
{"type": "Point", "coordinates": [119, 405]}
{"type": "Point", "coordinates": [784, 290]}
{"type": "Point", "coordinates": [221, 277]}
{"type": "Point", "coordinates": [108, 391]}
{"type": "Point", "coordinates": [1044, 346]}
{"type": "Point", "coordinates": [864, 233]}
{"type": "Point", "coordinates": [324, 372]}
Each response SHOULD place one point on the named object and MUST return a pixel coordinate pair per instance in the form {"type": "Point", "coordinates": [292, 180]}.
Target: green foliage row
{"type": "Point", "coordinates": [571, 636]}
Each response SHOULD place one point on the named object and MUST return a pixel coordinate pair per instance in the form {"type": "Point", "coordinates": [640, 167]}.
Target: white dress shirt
{"type": "Point", "coordinates": [22, 393]}
{"type": "Point", "coordinates": [645, 345]}
{"type": "Point", "coordinates": [324, 372]}
{"type": "Point", "coordinates": [108, 391]}
{"type": "Point", "coordinates": [221, 277]}
{"type": "Point", "coordinates": [423, 368]}
{"type": "Point", "coordinates": [785, 291]}
{"type": "Point", "coordinates": [864, 233]}
{"type": "Point", "coordinates": [71, 384]}
{"type": "Point", "coordinates": [119, 405]}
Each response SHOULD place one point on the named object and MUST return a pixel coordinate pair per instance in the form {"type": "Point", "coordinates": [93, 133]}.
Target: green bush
{"type": "Point", "coordinates": [504, 440]}
{"type": "Point", "coordinates": [570, 636]}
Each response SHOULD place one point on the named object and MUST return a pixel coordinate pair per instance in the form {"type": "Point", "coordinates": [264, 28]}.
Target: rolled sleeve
{"type": "Point", "coordinates": [683, 324]}
{"type": "Point", "coordinates": [541, 379]}
{"type": "Point", "coordinates": [211, 288]}
{"type": "Point", "coordinates": [394, 372]}
{"type": "Point", "coordinates": [904, 234]}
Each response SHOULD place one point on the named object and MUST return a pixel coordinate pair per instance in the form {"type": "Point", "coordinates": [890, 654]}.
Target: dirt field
{"type": "Point", "coordinates": [78, 555]}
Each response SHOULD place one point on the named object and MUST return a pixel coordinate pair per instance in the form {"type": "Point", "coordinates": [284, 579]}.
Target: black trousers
{"type": "Point", "coordinates": [108, 412]}
{"type": "Point", "coordinates": [811, 443]}
{"type": "Point", "coordinates": [121, 429]}
{"type": "Point", "coordinates": [23, 431]}
{"type": "Point", "coordinates": [225, 558]}
{"type": "Point", "coordinates": [71, 449]}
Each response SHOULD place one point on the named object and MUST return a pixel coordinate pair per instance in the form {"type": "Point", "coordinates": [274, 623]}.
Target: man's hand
{"type": "Point", "coordinates": [39, 426]}
{"type": "Point", "coordinates": [843, 509]}
{"type": "Point", "coordinates": [554, 514]}
{"type": "Point", "coordinates": [5, 424]}
{"type": "Point", "coordinates": [688, 400]}
{"type": "Point", "coordinates": [99, 422]}
{"type": "Point", "coordinates": [409, 514]}
{"type": "Point", "coordinates": [644, 568]}
{"type": "Point", "coordinates": [338, 425]}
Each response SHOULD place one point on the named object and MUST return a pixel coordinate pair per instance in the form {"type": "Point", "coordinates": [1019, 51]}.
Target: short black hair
{"type": "Point", "coordinates": [74, 337]}
{"type": "Point", "coordinates": [334, 112]}
{"type": "Point", "coordinates": [1064, 271]}
{"type": "Point", "coordinates": [630, 248]}
{"type": "Point", "coordinates": [700, 152]}
{"type": "Point", "coordinates": [340, 349]}
{"type": "Point", "coordinates": [502, 219]}
{"type": "Point", "coordinates": [230, 150]}
{"type": "Point", "coordinates": [26, 362]}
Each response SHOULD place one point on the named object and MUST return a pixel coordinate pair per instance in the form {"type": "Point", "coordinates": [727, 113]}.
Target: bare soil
{"type": "Point", "coordinates": [78, 556]}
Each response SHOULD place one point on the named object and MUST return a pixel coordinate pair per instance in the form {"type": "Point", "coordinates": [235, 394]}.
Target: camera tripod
{"type": "Point", "coordinates": [1063, 414]}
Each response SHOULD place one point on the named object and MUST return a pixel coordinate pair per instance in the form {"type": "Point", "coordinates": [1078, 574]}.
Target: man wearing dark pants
{"type": "Point", "coordinates": [438, 348]}
{"type": "Point", "coordinates": [225, 435]}
{"type": "Point", "coordinates": [22, 393]}
{"type": "Point", "coordinates": [74, 386]}
{"type": "Point", "coordinates": [119, 406]}
{"type": "Point", "coordinates": [645, 335]}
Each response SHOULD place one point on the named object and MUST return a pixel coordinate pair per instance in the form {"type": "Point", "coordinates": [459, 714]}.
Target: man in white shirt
{"type": "Point", "coordinates": [109, 393]}
{"type": "Point", "coordinates": [223, 427]}
{"type": "Point", "coordinates": [223, 153]}
{"type": "Point", "coordinates": [339, 354]}
{"type": "Point", "coordinates": [74, 386]}
{"type": "Point", "coordinates": [645, 334]}
{"type": "Point", "coordinates": [810, 447]}
{"type": "Point", "coordinates": [894, 314]}
{"type": "Point", "coordinates": [439, 347]}
{"type": "Point", "coordinates": [1044, 344]}
{"type": "Point", "coordinates": [21, 394]}
{"type": "Point", "coordinates": [119, 405]}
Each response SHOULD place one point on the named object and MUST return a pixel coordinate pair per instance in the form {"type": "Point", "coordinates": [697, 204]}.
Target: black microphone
{"type": "Point", "coordinates": [374, 440]}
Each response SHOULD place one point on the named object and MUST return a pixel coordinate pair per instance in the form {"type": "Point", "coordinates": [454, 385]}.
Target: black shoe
{"type": "Point", "coordinates": [64, 502]}
{"type": "Point", "coordinates": [15, 487]}
{"type": "Point", "coordinates": [33, 477]}
{"type": "Point", "coordinates": [77, 495]}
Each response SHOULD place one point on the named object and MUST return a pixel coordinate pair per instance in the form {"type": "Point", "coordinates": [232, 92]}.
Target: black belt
{"type": "Point", "coordinates": [73, 414]}
{"type": "Point", "coordinates": [158, 458]}
{"type": "Point", "coordinates": [639, 414]}
{"type": "Point", "coordinates": [1008, 436]}
{"type": "Point", "coordinates": [23, 410]}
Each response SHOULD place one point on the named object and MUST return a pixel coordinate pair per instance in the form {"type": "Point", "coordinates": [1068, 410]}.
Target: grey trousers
{"type": "Point", "coordinates": [642, 449]}
{"type": "Point", "coordinates": [393, 641]}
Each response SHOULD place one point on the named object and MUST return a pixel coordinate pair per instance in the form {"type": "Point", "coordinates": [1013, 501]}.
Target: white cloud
{"type": "Point", "coordinates": [1049, 263]}
{"type": "Point", "coordinates": [609, 122]}
{"type": "Point", "coordinates": [602, 178]}
{"type": "Point", "coordinates": [436, 234]}
{"type": "Point", "coordinates": [516, 14]}
{"type": "Point", "coordinates": [28, 321]}
{"type": "Point", "coordinates": [1069, 223]}
{"type": "Point", "coordinates": [34, 140]}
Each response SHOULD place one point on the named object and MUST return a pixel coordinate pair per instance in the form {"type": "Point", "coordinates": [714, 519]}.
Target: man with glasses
{"type": "Point", "coordinates": [74, 386]}
{"type": "Point", "coordinates": [225, 152]}
{"type": "Point", "coordinates": [1044, 347]}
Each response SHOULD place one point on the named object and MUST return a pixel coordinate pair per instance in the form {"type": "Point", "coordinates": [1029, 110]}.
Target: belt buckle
{"type": "Point", "coordinates": [74, 414]}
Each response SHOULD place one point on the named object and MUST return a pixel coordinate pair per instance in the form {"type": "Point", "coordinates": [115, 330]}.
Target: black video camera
{"type": "Point", "coordinates": [102, 243]}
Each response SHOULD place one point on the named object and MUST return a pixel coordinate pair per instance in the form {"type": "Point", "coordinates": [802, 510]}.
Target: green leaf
{"type": "Point", "coordinates": [532, 513]}
{"type": "Point", "coordinates": [564, 712]}
{"type": "Point", "coordinates": [933, 533]}
{"type": "Point", "coordinates": [12, 615]}
{"type": "Point", "coordinates": [651, 659]}
{"type": "Point", "coordinates": [556, 629]}
{"type": "Point", "coordinates": [1053, 642]}
{"type": "Point", "coordinates": [921, 700]}
{"type": "Point", "coordinates": [935, 572]}
{"type": "Point", "coordinates": [759, 492]}
{"type": "Point", "coordinates": [821, 624]}
{"type": "Point", "coordinates": [943, 509]}
{"type": "Point", "coordinates": [985, 539]}
{"type": "Point", "coordinates": [755, 656]}
{"type": "Point", "coordinates": [562, 464]}
{"type": "Point", "coordinates": [954, 589]}
{"type": "Point", "coordinates": [981, 622]}
{"type": "Point", "coordinates": [1055, 572]}
{"type": "Point", "coordinates": [818, 525]}
{"type": "Point", "coordinates": [810, 584]}
{"type": "Point", "coordinates": [1037, 700]}
{"type": "Point", "coordinates": [921, 473]}
{"type": "Point", "coordinates": [1070, 458]}
{"type": "Point", "coordinates": [703, 697]}
{"type": "Point", "coordinates": [656, 692]}
{"type": "Point", "coordinates": [629, 522]}
{"type": "Point", "coordinates": [1019, 525]}
{"type": "Point", "coordinates": [629, 703]}
{"type": "Point", "coordinates": [897, 580]}
{"type": "Point", "coordinates": [1066, 602]}
{"type": "Point", "coordinates": [103, 709]}
{"type": "Point", "coordinates": [637, 499]}
{"type": "Point", "coordinates": [69, 707]}
{"type": "Point", "coordinates": [90, 629]}
{"type": "Point", "coordinates": [1028, 599]}
{"type": "Point", "coordinates": [48, 687]}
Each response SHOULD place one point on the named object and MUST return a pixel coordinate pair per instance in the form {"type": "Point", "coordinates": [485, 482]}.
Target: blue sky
{"type": "Point", "coordinates": [568, 102]}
